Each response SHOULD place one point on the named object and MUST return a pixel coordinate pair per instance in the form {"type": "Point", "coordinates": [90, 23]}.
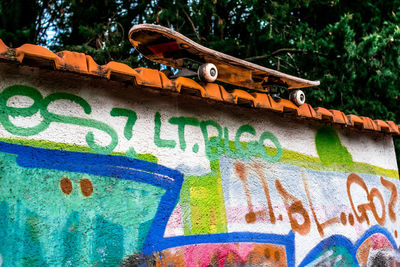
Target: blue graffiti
{"type": "Point", "coordinates": [345, 243]}
{"type": "Point", "coordinates": [21, 241]}
{"type": "Point", "coordinates": [108, 245]}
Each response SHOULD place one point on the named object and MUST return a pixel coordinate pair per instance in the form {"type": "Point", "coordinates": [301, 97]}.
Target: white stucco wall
{"type": "Point", "coordinates": [289, 205]}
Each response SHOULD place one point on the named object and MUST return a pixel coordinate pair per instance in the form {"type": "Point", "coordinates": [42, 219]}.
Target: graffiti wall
{"type": "Point", "coordinates": [95, 173]}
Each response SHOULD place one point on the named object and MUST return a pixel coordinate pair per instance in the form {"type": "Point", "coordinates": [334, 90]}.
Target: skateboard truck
{"type": "Point", "coordinates": [181, 73]}
{"type": "Point", "coordinates": [273, 92]}
{"type": "Point", "coordinates": [276, 97]}
{"type": "Point", "coordinates": [296, 96]}
{"type": "Point", "coordinates": [271, 89]}
{"type": "Point", "coordinates": [207, 73]}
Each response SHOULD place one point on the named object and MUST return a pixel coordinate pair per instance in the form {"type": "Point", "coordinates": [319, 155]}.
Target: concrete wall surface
{"type": "Point", "coordinates": [96, 173]}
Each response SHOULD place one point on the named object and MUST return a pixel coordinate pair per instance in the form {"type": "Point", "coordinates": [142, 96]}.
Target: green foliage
{"type": "Point", "coordinates": [18, 21]}
{"type": "Point", "coordinates": [352, 47]}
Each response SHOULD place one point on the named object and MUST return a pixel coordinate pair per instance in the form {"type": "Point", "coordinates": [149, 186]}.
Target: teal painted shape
{"type": "Point", "coordinates": [43, 225]}
{"type": "Point", "coordinates": [335, 256]}
{"type": "Point", "coordinates": [71, 240]}
{"type": "Point", "coordinates": [32, 251]}
{"type": "Point", "coordinates": [5, 252]}
{"type": "Point", "coordinates": [20, 244]}
{"type": "Point", "coordinates": [144, 229]}
{"type": "Point", "coordinates": [108, 243]}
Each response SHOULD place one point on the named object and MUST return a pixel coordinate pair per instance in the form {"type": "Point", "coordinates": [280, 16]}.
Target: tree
{"type": "Point", "coordinates": [19, 22]}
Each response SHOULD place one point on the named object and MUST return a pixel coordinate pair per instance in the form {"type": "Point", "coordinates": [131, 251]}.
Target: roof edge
{"type": "Point", "coordinates": [79, 63]}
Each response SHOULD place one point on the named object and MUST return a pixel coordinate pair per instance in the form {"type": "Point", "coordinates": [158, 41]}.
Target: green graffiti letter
{"type": "Point", "coordinates": [81, 121]}
{"type": "Point", "coordinates": [227, 146]}
{"type": "Point", "coordinates": [6, 111]}
{"type": "Point", "coordinates": [243, 151]}
{"type": "Point", "coordinates": [261, 148]}
{"type": "Point", "coordinates": [132, 117]}
{"type": "Point", "coordinates": [157, 132]}
{"type": "Point", "coordinates": [182, 122]}
{"type": "Point", "coordinates": [213, 145]}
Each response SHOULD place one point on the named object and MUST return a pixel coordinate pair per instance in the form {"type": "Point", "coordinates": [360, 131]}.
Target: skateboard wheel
{"type": "Point", "coordinates": [208, 72]}
{"type": "Point", "coordinates": [298, 97]}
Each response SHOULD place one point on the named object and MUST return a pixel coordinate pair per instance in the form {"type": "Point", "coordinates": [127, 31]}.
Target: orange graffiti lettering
{"type": "Point", "coordinates": [372, 194]}
{"type": "Point", "coordinates": [320, 226]}
{"type": "Point", "coordinates": [362, 209]}
{"type": "Point", "coordinates": [393, 197]}
{"type": "Point", "coordinates": [354, 178]}
{"type": "Point", "coordinates": [295, 207]}
{"type": "Point", "coordinates": [241, 172]}
{"type": "Point", "coordinates": [260, 173]}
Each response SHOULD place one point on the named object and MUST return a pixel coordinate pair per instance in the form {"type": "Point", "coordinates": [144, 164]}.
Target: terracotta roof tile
{"type": "Point", "coordinates": [119, 71]}
{"type": "Point", "coordinates": [227, 97]}
{"type": "Point", "coordinates": [165, 82]}
{"type": "Point", "coordinates": [324, 114]}
{"type": "Point", "coordinates": [266, 101]}
{"type": "Point", "coordinates": [189, 86]}
{"type": "Point", "coordinates": [382, 126]}
{"type": "Point", "coordinates": [213, 91]}
{"type": "Point", "coordinates": [275, 105]}
{"type": "Point", "coordinates": [393, 127]}
{"type": "Point", "coordinates": [242, 98]}
{"type": "Point", "coordinates": [369, 124]}
{"type": "Point", "coordinates": [339, 117]}
{"type": "Point", "coordinates": [288, 106]}
{"type": "Point", "coordinates": [307, 111]}
{"type": "Point", "coordinates": [82, 64]}
{"type": "Point", "coordinates": [355, 121]}
{"type": "Point", "coordinates": [92, 67]}
{"type": "Point", "coordinates": [36, 55]}
{"type": "Point", "coordinates": [3, 47]}
{"type": "Point", "coordinates": [262, 101]}
{"type": "Point", "coordinates": [73, 61]}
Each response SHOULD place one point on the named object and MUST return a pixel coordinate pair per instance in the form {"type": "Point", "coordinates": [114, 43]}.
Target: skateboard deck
{"type": "Point", "coordinates": [168, 47]}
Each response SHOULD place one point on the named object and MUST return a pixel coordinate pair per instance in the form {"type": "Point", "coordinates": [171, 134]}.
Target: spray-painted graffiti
{"type": "Point", "coordinates": [294, 205]}
{"type": "Point", "coordinates": [215, 146]}
{"type": "Point", "coordinates": [158, 186]}
{"type": "Point", "coordinates": [41, 105]}
{"type": "Point", "coordinates": [47, 205]}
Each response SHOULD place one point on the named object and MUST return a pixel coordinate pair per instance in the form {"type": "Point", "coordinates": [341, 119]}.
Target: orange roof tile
{"type": "Point", "coordinates": [307, 111]}
{"type": "Point", "coordinates": [324, 114]}
{"type": "Point", "coordinates": [3, 47]}
{"type": "Point", "coordinates": [339, 117]}
{"type": "Point", "coordinates": [382, 126]}
{"type": "Point", "coordinates": [72, 61]}
{"type": "Point", "coordinates": [188, 86]}
{"type": "Point", "coordinates": [262, 101]}
{"type": "Point", "coordinates": [34, 54]}
{"type": "Point", "coordinates": [394, 128]}
{"type": "Point", "coordinates": [213, 91]}
{"type": "Point", "coordinates": [243, 98]}
{"type": "Point", "coordinates": [79, 63]}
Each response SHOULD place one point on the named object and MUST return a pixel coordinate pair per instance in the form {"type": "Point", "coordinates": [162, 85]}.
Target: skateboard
{"type": "Point", "coordinates": [170, 48]}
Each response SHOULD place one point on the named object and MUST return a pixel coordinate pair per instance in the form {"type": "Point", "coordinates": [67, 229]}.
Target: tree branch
{"type": "Point", "coordinates": [191, 22]}
{"type": "Point", "coordinates": [285, 50]}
